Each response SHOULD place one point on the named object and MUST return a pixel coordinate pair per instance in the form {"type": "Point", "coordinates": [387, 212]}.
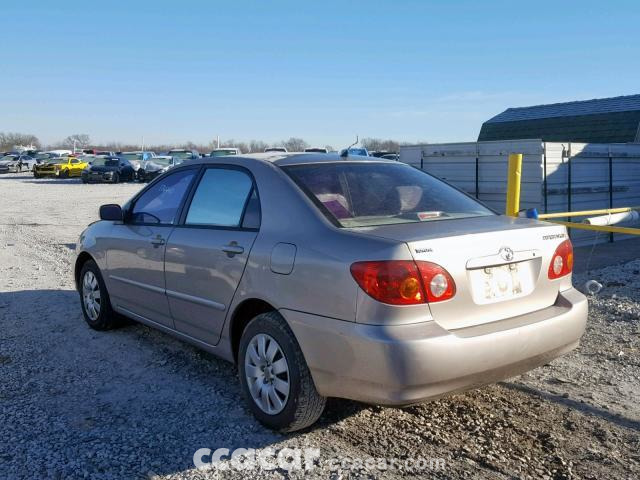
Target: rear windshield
{"type": "Point", "coordinates": [369, 194]}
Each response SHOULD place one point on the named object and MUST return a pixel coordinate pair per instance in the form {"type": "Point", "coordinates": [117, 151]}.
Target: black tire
{"type": "Point", "coordinates": [116, 177]}
{"type": "Point", "coordinates": [107, 318]}
{"type": "Point", "coordinates": [304, 404]}
{"type": "Point", "coordinates": [64, 174]}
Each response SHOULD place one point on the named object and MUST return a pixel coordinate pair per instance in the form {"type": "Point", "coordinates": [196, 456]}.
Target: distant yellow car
{"type": "Point", "coordinates": [62, 167]}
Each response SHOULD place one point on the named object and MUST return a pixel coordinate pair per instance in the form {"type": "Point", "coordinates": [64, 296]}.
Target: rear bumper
{"type": "Point", "coordinates": [405, 364]}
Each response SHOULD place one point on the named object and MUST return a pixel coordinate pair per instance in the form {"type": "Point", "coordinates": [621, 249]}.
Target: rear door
{"type": "Point", "coordinates": [136, 249]}
{"type": "Point", "coordinates": [207, 253]}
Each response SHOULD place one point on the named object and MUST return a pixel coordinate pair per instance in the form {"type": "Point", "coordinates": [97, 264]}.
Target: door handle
{"type": "Point", "coordinates": [158, 241]}
{"type": "Point", "coordinates": [233, 249]}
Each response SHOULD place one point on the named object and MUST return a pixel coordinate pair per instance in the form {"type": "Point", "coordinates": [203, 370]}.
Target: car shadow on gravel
{"type": "Point", "coordinates": [145, 400]}
{"type": "Point", "coordinates": [582, 407]}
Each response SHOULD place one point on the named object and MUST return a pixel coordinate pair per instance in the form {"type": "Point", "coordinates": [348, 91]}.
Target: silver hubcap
{"type": "Point", "coordinates": [267, 374]}
{"type": "Point", "coordinates": [91, 295]}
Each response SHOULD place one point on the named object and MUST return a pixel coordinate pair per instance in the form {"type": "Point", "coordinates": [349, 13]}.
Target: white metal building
{"type": "Point", "coordinates": [556, 176]}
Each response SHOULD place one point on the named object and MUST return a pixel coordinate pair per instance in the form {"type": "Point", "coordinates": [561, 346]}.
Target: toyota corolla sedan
{"type": "Point", "coordinates": [327, 276]}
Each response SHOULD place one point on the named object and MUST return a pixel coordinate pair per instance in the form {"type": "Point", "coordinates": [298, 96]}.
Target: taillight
{"type": "Point", "coordinates": [396, 282]}
{"type": "Point", "coordinates": [561, 261]}
{"type": "Point", "coordinates": [403, 282]}
{"type": "Point", "coordinates": [437, 282]}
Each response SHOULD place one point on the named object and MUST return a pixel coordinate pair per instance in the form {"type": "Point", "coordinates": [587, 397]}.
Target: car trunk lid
{"type": "Point", "coordinates": [499, 265]}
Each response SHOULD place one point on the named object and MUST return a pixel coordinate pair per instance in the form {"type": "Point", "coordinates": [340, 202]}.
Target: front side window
{"type": "Point", "coordinates": [160, 203]}
{"type": "Point", "coordinates": [368, 194]}
{"type": "Point", "coordinates": [220, 198]}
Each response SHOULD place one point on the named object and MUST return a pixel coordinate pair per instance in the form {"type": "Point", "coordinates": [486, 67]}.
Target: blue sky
{"type": "Point", "coordinates": [410, 70]}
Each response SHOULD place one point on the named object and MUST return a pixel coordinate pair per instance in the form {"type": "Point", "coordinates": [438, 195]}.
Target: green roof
{"type": "Point", "coordinates": [613, 120]}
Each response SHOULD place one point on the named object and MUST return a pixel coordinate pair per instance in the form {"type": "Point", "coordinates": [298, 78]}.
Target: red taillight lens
{"type": "Point", "coordinates": [437, 282]}
{"type": "Point", "coordinates": [403, 282]}
{"type": "Point", "coordinates": [396, 282]}
{"type": "Point", "coordinates": [562, 260]}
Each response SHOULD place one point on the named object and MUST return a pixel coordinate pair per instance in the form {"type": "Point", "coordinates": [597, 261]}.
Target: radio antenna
{"type": "Point", "coordinates": [345, 154]}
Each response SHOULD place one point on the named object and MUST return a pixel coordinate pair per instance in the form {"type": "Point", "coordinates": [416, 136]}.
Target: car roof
{"type": "Point", "coordinates": [293, 158]}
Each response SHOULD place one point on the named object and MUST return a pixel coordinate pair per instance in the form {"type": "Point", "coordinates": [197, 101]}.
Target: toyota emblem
{"type": "Point", "coordinates": [506, 253]}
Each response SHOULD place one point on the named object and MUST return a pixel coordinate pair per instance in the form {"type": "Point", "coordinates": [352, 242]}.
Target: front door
{"type": "Point", "coordinates": [136, 250]}
{"type": "Point", "coordinates": [207, 253]}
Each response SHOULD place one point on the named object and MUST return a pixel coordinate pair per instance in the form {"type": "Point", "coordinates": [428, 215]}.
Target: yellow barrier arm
{"type": "Point", "coordinates": [600, 228]}
{"type": "Point", "coordinates": [603, 211]}
{"type": "Point", "coordinates": [513, 184]}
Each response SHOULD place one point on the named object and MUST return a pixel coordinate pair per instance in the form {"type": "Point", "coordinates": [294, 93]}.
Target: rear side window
{"type": "Point", "coordinates": [369, 194]}
{"type": "Point", "coordinates": [160, 203]}
{"type": "Point", "coordinates": [221, 198]}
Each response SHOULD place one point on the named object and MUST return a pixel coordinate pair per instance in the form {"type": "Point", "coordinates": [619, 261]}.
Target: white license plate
{"type": "Point", "coordinates": [501, 282]}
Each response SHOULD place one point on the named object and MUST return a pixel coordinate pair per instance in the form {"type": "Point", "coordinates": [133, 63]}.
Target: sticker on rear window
{"type": "Point", "coordinates": [428, 215]}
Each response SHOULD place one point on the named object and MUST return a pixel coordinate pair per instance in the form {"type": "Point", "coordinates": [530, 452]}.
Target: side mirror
{"type": "Point", "coordinates": [111, 212]}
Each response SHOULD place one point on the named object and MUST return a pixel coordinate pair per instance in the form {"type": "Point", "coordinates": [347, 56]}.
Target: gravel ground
{"type": "Point", "coordinates": [135, 403]}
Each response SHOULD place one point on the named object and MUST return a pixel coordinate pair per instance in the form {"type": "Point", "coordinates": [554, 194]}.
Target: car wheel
{"type": "Point", "coordinates": [115, 178]}
{"type": "Point", "coordinates": [96, 306]}
{"type": "Point", "coordinates": [274, 376]}
{"type": "Point", "coordinates": [64, 174]}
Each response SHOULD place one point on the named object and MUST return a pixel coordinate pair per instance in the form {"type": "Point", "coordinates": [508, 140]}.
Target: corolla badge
{"type": "Point", "coordinates": [506, 253]}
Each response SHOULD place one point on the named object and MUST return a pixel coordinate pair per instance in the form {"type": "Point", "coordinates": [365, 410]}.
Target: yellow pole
{"type": "Point", "coordinates": [513, 184]}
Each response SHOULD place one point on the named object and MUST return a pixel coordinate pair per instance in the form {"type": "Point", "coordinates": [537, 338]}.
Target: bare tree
{"type": "Point", "coordinates": [379, 145]}
{"type": "Point", "coordinates": [78, 140]}
{"type": "Point", "coordinates": [9, 140]}
{"type": "Point", "coordinates": [294, 144]}
{"type": "Point", "coordinates": [257, 146]}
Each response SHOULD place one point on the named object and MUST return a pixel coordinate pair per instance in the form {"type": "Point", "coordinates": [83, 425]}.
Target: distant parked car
{"type": "Point", "coordinates": [60, 153]}
{"type": "Point", "coordinates": [363, 152]}
{"type": "Point", "coordinates": [62, 167]}
{"type": "Point", "coordinates": [156, 166]}
{"type": "Point", "coordinates": [17, 163]}
{"type": "Point", "coordinates": [275, 149]}
{"type": "Point", "coordinates": [109, 170]}
{"type": "Point", "coordinates": [316, 150]}
{"type": "Point", "coordinates": [390, 156]}
{"type": "Point", "coordinates": [183, 154]}
{"type": "Point", "coordinates": [223, 152]}
{"type": "Point", "coordinates": [137, 158]}
{"type": "Point", "coordinates": [8, 163]}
